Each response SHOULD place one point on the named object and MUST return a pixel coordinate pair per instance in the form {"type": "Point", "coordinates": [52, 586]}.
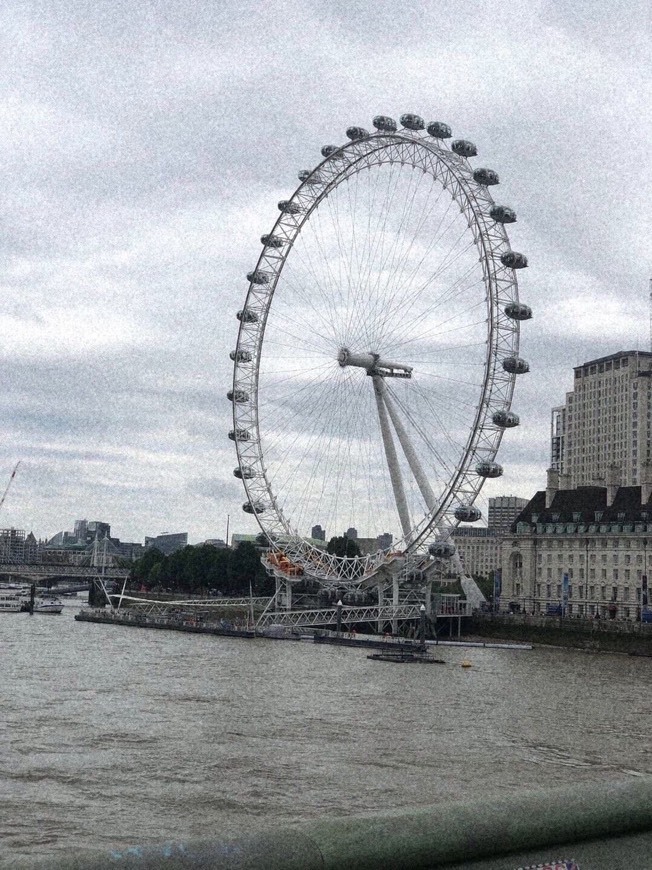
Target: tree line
{"type": "Point", "coordinates": [203, 570]}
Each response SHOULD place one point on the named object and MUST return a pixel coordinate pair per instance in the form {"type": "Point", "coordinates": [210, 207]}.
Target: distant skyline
{"type": "Point", "coordinates": [145, 149]}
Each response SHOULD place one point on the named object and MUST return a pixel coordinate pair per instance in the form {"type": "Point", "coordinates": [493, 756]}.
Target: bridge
{"type": "Point", "coordinates": [42, 570]}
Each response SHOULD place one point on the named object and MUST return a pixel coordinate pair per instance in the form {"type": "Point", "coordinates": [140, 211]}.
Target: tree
{"type": "Point", "coordinates": [343, 546]}
{"type": "Point", "coordinates": [195, 570]}
{"type": "Point", "coordinates": [244, 568]}
{"type": "Point", "coordinates": [141, 569]}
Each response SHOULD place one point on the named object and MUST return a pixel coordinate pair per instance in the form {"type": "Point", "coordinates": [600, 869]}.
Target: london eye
{"type": "Point", "coordinates": [378, 348]}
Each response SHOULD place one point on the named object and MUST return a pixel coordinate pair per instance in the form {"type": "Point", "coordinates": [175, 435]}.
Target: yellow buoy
{"type": "Point", "coordinates": [466, 664]}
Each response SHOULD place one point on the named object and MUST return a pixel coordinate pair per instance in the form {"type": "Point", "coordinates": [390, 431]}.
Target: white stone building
{"type": "Point", "coordinates": [600, 537]}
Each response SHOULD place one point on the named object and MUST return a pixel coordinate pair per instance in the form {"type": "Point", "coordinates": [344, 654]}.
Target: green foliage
{"type": "Point", "coordinates": [343, 546]}
{"type": "Point", "coordinates": [141, 569]}
{"type": "Point", "coordinates": [203, 570]}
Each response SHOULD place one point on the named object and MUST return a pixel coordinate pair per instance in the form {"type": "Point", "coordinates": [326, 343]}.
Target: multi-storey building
{"type": "Point", "coordinates": [557, 427]}
{"type": "Point", "coordinates": [168, 543]}
{"type": "Point", "coordinates": [479, 549]}
{"type": "Point", "coordinates": [605, 422]}
{"type": "Point", "coordinates": [595, 541]}
{"type": "Point", "coordinates": [503, 510]}
{"type": "Point", "coordinates": [16, 546]}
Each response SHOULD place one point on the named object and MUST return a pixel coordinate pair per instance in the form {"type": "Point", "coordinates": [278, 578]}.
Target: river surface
{"type": "Point", "coordinates": [114, 736]}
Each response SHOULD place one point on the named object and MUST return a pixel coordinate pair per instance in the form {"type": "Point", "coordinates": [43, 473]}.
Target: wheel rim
{"type": "Point", "coordinates": [387, 248]}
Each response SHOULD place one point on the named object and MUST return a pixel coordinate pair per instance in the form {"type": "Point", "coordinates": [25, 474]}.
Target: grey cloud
{"type": "Point", "coordinates": [149, 145]}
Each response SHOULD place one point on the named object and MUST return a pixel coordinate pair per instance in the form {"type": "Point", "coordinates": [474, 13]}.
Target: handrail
{"type": "Point", "coordinates": [529, 827]}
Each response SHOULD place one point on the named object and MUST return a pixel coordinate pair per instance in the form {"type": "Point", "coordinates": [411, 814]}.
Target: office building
{"type": "Point", "coordinates": [503, 510]}
{"type": "Point", "coordinates": [479, 549]}
{"type": "Point", "coordinates": [605, 421]}
{"type": "Point", "coordinates": [168, 543]}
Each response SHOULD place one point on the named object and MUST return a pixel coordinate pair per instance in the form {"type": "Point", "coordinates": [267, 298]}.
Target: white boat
{"type": "Point", "coordinates": [13, 598]}
{"type": "Point", "coordinates": [47, 605]}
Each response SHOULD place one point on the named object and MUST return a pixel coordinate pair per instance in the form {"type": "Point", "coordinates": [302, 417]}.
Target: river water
{"type": "Point", "coordinates": [114, 736]}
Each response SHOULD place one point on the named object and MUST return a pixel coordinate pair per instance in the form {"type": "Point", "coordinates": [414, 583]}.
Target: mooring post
{"type": "Point", "coordinates": [339, 616]}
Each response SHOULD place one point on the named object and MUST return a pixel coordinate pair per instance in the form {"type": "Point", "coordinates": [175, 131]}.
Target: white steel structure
{"type": "Point", "coordinates": [378, 348]}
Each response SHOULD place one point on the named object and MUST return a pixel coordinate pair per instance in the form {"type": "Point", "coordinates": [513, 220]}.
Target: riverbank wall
{"type": "Point", "coordinates": [594, 635]}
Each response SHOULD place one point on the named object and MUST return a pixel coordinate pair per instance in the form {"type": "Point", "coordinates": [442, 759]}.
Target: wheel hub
{"type": "Point", "coordinates": [373, 364]}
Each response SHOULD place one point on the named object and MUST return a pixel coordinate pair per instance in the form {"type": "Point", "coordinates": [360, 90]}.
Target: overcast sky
{"type": "Point", "coordinates": [143, 149]}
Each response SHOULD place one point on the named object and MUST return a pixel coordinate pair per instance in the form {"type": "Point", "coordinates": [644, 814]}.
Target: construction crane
{"type": "Point", "coordinates": [13, 474]}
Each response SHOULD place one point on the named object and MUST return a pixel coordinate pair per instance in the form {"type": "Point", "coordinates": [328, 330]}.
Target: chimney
{"type": "Point", "coordinates": [552, 485]}
{"type": "Point", "coordinates": [613, 482]}
{"type": "Point", "coordinates": [564, 481]}
{"type": "Point", "coordinates": [646, 482]}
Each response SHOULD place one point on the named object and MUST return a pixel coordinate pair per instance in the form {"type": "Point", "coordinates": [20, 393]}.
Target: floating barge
{"type": "Point", "coordinates": [368, 641]}
{"type": "Point", "coordinates": [404, 657]}
{"type": "Point", "coordinates": [140, 620]}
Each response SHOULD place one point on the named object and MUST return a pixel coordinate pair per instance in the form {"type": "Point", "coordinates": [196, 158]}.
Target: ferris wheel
{"type": "Point", "coordinates": [377, 349]}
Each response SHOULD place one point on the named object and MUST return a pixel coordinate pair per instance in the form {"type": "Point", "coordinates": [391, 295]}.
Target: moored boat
{"type": "Point", "coordinates": [47, 605]}
{"type": "Point", "coordinates": [12, 598]}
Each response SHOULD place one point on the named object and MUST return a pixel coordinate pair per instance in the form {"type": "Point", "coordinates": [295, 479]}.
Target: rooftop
{"type": "Point", "coordinates": [582, 504]}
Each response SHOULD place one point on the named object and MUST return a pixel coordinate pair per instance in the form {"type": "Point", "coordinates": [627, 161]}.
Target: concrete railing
{"type": "Point", "coordinates": [599, 826]}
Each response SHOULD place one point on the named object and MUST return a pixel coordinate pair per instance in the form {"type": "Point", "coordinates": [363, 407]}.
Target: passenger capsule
{"type": "Point", "coordinates": [289, 207]}
{"type": "Point", "coordinates": [272, 241]}
{"type": "Point", "coordinates": [253, 507]}
{"type": "Point", "coordinates": [506, 419]}
{"type": "Point", "coordinates": [467, 513]}
{"type": "Point", "coordinates": [515, 365]}
{"type": "Point", "coordinates": [309, 176]}
{"type": "Point", "coordinates": [238, 396]}
{"type": "Point", "coordinates": [518, 311]}
{"type": "Point", "coordinates": [240, 435]}
{"type": "Point", "coordinates": [244, 472]}
{"type": "Point", "coordinates": [258, 277]}
{"type": "Point", "coordinates": [488, 469]}
{"type": "Point", "coordinates": [243, 356]}
{"type": "Point", "coordinates": [382, 122]}
{"type": "Point", "coordinates": [247, 316]}
{"type": "Point", "coordinates": [464, 148]}
{"type": "Point", "coordinates": [442, 549]}
{"type": "Point", "coordinates": [486, 177]}
{"type": "Point", "coordinates": [502, 214]}
{"type": "Point", "coordinates": [412, 122]}
{"type": "Point", "coordinates": [514, 260]}
{"type": "Point", "coordinates": [439, 130]}
{"type": "Point", "coordinates": [329, 150]}
{"type": "Point", "coordinates": [356, 133]}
